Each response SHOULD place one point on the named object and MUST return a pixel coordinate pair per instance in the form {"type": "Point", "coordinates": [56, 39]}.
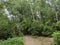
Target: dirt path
{"type": "Point", "coordinates": [29, 40]}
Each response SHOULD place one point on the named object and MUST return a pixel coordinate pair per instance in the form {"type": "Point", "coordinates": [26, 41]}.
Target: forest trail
{"type": "Point", "coordinates": [29, 40]}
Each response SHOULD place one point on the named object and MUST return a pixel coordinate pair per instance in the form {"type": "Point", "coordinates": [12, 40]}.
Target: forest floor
{"type": "Point", "coordinates": [31, 40]}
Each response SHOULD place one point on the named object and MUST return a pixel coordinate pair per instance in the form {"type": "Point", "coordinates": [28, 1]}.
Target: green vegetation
{"type": "Point", "coordinates": [29, 17]}
{"type": "Point", "coordinates": [36, 17]}
{"type": "Point", "coordinates": [56, 37]}
{"type": "Point", "coordinates": [13, 41]}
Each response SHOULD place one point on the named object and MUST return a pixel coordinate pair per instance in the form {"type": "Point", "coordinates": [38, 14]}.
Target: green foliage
{"type": "Point", "coordinates": [58, 25]}
{"type": "Point", "coordinates": [36, 17]}
{"type": "Point", "coordinates": [47, 31]}
{"type": "Point", "coordinates": [13, 41]}
{"type": "Point", "coordinates": [4, 32]}
{"type": "Point", "coordinates": [56, 38]}
{"type": "Point", "coordinates": [36, 28]}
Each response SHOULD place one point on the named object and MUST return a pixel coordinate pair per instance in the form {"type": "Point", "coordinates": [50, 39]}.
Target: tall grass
{"type": "Point", "coordinates": [13, 41]}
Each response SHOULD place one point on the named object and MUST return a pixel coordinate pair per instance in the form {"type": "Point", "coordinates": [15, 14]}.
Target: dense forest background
{"type": "Point", "coordinates": [29, 17]}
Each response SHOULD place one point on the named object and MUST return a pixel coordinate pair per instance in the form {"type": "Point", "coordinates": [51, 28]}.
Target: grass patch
{"type": "Point", "coordinates": [13, 41]}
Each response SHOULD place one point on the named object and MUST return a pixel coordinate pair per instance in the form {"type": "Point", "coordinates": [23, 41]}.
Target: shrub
{"type": "Point", "coordinates": [58, 25]}
{"type": "Point", "coordinates": [47, 30]}
{"type": "Point", "coordinates": [13, 41]}
{"type": "Point", "coordinates": [36, 28]}
{"type": "Point", "coordinates": [56, 37]}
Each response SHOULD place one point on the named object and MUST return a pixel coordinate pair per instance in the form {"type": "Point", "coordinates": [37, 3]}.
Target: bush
{"type": "Point", "coordinates": [56, 37]}
{"type": "Point", "coordinates": [4, 24]}
{"type": "Point", "coordinates": [58, 25]}
{"type": "Point", "coordinates": [13, 41]}
{"type": "Point", "coordinates": [36, 28]}
{"type": "Point", "coordinates": [47, 30]}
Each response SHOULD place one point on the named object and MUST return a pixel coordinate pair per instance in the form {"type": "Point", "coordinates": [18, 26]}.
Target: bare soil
{"type": "Point", "coordinates": [30, 40]}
